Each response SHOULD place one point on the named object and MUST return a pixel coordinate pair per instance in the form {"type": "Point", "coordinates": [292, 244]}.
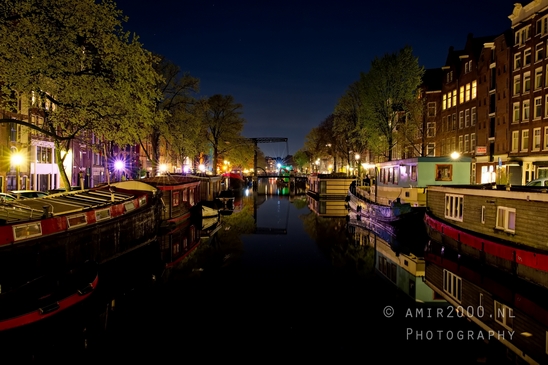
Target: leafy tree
{"type": "Point", "coordinates": [347, 134]}
{"type": "Point", "coordinates": [301, 158]}
{"type": "Point", "coordinates": [223, 124]}
{"type": "Point", "coordinates": [387, 91]}
{"type": "Point", "coordinates": [78, 66]}
{"type": "Point", "coordinates": [176, 117]}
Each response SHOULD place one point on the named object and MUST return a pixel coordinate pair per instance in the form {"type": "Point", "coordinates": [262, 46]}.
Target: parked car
{"type": "Point", "coordinates": [538, 182]}
{"type": "Point", "coordinates": [28, 193]}
{"type": "Point", "coordinates": [7, 197]}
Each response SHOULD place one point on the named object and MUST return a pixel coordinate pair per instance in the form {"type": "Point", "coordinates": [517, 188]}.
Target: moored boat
{"type": "Point", "coordinates": [180, 194]}
{"type": "Point", "coordinates": [46, 296]}
{"type": "Point", "coordinates": [329, 186]}
{"type": "Point", "coordinates": [58, 233]}
{"type": "Point", "coordinates": [399, 187]}
{"type": "Point", "coordinates": [497, 225]}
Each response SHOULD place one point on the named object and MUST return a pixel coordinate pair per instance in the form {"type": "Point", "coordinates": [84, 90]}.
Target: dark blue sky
{"type": "Point", "coordinates": [288, 62]}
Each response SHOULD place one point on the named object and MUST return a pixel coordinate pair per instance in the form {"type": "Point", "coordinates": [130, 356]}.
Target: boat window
{"type": "Point", "coordinates": [454, 207]}
{"type": "Point", "coordinates": [102, 214]}
{"type": "Point", "coordinates": [23, 231]}
{"type": "Point", "coordinates": [76, 220]}
{"type": "Point", "coordinates": [128, 207]}
{"type": "Point", "coordinates": [506, 219]}
{"type": "Point", "coordinates": [175, 200]}
{"type": "Point", "coordinates": [414, 173]}
{"type": "Point", "coordinates": [142, 201]}
{"type": "Point", "coordinates": [185, 195]}
{"type": "Point", "coordinates": [191, 196]}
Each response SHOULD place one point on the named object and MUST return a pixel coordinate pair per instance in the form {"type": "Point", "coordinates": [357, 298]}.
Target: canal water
{"type": "Point", "coordinates": [279, 282]}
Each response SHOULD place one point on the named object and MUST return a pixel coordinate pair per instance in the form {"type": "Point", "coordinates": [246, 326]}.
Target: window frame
{"type": "Point", "coordinates": [508, 224]}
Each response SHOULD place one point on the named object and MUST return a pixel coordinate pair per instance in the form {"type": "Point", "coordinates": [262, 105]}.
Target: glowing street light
{"type": "Point", "coordinates": [119, 165]}
{"type": "Point", "coordinates": [17, 160]}
{"type": "Point", "coordinates": [455, 155]}
{"type": "Point", "coordinates": [163, 168]}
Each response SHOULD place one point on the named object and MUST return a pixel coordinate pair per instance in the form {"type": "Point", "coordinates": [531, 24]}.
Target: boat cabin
{"type": "Point", "coordinates": [180, 195]}
{"type": "Point", "coordinates": [329, 186]}
{"type": "Point", "coordinates": [407, 179]}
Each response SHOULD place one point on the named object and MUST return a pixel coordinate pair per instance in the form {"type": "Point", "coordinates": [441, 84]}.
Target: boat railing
{"type": "Point", "coordinates": [12, 212]}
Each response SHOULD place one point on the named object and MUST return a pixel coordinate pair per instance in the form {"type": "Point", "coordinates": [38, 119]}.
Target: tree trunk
{"type": "Point", "coordinates": [61, 166]}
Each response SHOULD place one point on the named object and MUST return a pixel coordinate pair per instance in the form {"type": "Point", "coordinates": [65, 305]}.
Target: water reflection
{"type": "Point", "coordinates": [309, 293]}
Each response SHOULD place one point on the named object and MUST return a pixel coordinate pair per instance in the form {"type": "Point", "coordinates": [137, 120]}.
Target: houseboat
{"type": "Point", "coordinates": [44, 238]}
{"type": "Point", "coordinates": [497, 225]}
{"type": "Point", "coordinates": [235, 182]}
{"type": "Point", "coordinates": [399, 187]}
{"type": "Point", "coordinates": [180, 195]}
{"type": "Point", "coordinates": [508, 309]}
{"type": "Point", "coordinates": [403, 270]}
{"type": "Point", "coordinates": [185, 217]}
{"type": "Point", "coordinates": [329, 186]}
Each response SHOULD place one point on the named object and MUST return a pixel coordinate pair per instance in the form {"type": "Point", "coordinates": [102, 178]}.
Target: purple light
{"type": "Point", "coordinates": [119, 165]}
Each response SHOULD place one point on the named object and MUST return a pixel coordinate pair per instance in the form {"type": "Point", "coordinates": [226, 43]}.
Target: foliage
{"type": "Point", "coordinates": [222, 123]}
{"type": "Point", "coordinates": [301, 158]}
{"type": "Point", "coordinates": [387, 91]}
{"type": "Point", "coordinates": [347, 135]}
{"type": "Point", "coordinates": [177, 119]}
{"type": "Point", "coordinates": [73, 60]}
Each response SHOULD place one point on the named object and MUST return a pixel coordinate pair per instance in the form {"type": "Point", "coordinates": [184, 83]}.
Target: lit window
{"type": "Point", "coordinates": [474, 89]}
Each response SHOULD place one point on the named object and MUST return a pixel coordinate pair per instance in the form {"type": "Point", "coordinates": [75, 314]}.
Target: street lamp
{"type": "Point", "coordinates": [17, 160]}
{"type": "Point", "coordinates": [119, 166]}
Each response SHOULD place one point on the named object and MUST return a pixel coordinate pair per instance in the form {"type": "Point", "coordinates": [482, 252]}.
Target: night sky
{"type": "Point", "coordinates": [288, 62]}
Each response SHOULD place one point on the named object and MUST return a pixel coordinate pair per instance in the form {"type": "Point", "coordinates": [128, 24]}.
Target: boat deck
{"type": "Point", "coordinates": [59, 204]}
